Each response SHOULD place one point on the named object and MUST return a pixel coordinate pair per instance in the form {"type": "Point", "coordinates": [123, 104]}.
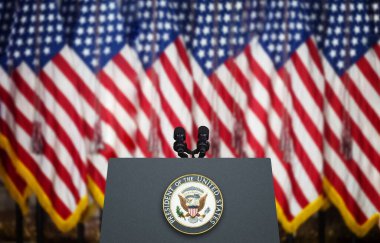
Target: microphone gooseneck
{"type": "Point", "coordinates": [180, 145]}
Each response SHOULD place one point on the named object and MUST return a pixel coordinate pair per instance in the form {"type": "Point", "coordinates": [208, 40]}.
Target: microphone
{"type": "Point", "coordinates": [203, 145]}
{"type": "Point", "coordinates": [180, 145]}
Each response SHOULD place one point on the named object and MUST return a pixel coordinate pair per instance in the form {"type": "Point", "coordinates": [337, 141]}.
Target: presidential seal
{"type": "Point", "coordinates": [193, 204]}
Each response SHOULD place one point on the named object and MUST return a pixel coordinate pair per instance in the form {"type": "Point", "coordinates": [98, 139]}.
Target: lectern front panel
{"type": "Point", "coordinates": [189, 200]}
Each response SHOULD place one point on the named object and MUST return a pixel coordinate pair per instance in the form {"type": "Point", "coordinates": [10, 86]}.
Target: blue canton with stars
{"type": "Point", "coordinates": [345, 32]}
{"type": "Point", "coordinates": [7, 9]}
{"type": "Point", "coordinates": [69, 11]}
{"type": "Point", "coordinates": [286, 28]}
{"type": "Point", "coordinates": [129, 10]}
{"type": "Point", "coordinates": [154, 27]}
{"type": "Point", "coordinates": [98, 31]}
{"type": "Point", "coordinates": [35, 38]}
{"type": "Point", "coordinates": [215, 32]}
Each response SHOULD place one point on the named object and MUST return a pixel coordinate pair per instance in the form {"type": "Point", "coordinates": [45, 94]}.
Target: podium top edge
{"type": "Point", "coordinates": [192, 159]}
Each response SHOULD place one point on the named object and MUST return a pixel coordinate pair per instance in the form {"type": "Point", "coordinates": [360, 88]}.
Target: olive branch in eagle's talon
{"type": "Point", "coordinates": [180, 213]}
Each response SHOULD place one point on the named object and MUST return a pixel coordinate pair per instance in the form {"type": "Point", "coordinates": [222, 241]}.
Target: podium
{"type": "Point", "coordinates": [189, 200]}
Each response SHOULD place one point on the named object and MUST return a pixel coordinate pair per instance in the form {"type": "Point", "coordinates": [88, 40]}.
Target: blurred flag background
{"type": "Point", "coordinates": [83, 81]}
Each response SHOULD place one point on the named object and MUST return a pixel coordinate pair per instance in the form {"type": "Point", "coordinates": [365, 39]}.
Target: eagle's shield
{"type": "Point", "coordinates": [193, 211]}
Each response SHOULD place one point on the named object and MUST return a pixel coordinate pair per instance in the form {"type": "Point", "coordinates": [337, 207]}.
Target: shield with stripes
{"type": "Point", "coordinates": [193, 211]}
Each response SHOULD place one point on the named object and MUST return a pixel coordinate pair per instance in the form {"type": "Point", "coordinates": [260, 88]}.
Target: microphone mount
{"type": "Point", "coordinates": [180, 145]}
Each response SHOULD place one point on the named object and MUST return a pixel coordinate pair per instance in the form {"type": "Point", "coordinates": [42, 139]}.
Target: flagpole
{"type": "Point", "coordinates": [100, 219]}
{"type": "Point", "coordinates": [215, 139]}
{"type": "Point", "coordinates": [19, 224]}
{"type": "Point", "coordinates": [289, 238]}
{"type": "Point", "coordinates": [40, 223]}
{"type": "Point", "coordinates": [36, 137]}
{"type": "Point", "coordinates": [321, 226]}
{"type": "Point", "coordinates": [81, 232]}
{"type": "Point", "coordinates": [354, 238]}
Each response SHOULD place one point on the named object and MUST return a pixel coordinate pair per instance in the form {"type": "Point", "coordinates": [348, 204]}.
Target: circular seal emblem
{"type": "Point", "coordinates": [193, 204]}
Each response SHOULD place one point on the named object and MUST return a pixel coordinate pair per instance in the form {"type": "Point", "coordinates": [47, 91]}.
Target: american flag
{"type": "Point", "coordinates": [215, 33]}
{"type": "Point", "coordinates": [105, 67]}
{"type": "Point", "coordinates": [286, 98]}
{"type": "Point", "coordinates": [289, 108]}
{"type": "Point", "coordinates": [243, 82]}
{"type": "Point", "coordinates": [15, 184]}
{"type": "Point", "coordinates": [165, 82]}
{"type": "Point", "coordinates": [48, 132]}
{"type": "Point", "coordinates": [348, 37]}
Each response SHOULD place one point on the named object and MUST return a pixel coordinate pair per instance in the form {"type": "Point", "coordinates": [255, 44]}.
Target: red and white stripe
{"type": "Point", "coordinates": [11, 178]}
{"type": "Point", "coordinates": [213, 105]}
{"type": "Point", "coordinates": [107, 96]}
{"type": "Point", "coordinates": [125, 96]}
{"type": "Point", "coordinates": [249, 85]}
{"type": "Point", "coordinates": [193, 212]}
{"type": "Point", "coordinates": [297, 182]}
{"type": "Point", "coordinates": [58, 175]}
{"type": "Point", "coordinates": [166, 93]}
{"type": "Point", "coordinates": [357, 181]}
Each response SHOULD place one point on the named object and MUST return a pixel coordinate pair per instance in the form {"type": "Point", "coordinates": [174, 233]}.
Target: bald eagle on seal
{"type": "Point", "coordinates": [193, 204]}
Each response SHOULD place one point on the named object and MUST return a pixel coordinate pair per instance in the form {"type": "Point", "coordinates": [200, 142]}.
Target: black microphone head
{"type": "Point", "coordinates": [179, 133]}
{"type": "Point", "coordinates": [203, 132]}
